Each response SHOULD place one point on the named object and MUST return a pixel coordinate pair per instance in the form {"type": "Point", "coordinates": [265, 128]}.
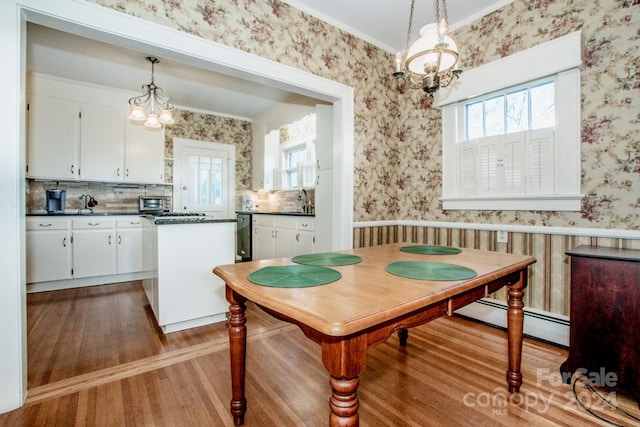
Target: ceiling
{"type": "Point", "coordinates": [381, 22]}
{"type": "Point", "coordinates": [384, 23]}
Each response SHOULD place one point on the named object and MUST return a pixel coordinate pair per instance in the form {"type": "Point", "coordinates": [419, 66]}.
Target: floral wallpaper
{"type": "Point", "coordinates": [397, 172]}
{"type": "Point", "coordinates": [208, 127]}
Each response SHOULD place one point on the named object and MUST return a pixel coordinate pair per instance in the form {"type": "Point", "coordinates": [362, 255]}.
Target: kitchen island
{"type": "Point", "coordinates": [182, 291]}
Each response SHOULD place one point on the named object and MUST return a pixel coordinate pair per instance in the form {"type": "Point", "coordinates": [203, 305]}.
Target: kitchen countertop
{"type": "Point", "coordinates": [187, 220]}
{"type": "Point", "coordinates": [290, 213]}
{"type": "Point", "coordinates": [75, 213]}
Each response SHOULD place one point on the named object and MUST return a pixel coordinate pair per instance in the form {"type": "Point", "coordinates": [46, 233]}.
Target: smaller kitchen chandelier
{"type": "Point", "coordinates": [432, 61]}
{"type": "Point", "coordinates": [160, 111]}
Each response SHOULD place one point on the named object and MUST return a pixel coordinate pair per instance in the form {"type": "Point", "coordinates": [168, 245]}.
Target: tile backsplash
{"type": "Point", "coordinates": [110, 197]}
{"type": "Point", "coordinates": [124, 197]}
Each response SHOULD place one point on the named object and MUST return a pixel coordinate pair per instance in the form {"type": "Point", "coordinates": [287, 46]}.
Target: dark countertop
{"type": "Point", "coordinates": [289, 213]}
{"type": "Point", "coordinates": [75, 213]}
{"type": "Point", "coordinates": [187, 220]}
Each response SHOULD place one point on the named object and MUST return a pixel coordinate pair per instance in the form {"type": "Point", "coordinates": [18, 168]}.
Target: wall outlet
{"type": "Point", "coordinates": [502, 236]}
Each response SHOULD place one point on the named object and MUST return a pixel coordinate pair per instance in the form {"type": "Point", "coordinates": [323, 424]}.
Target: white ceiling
{"type": "Point", "coordinates": [384, 23]}
{"type": "Point", "coordinates": [380, 22]}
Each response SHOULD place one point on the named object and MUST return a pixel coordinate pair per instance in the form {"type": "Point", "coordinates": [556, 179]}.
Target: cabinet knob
{"type": "Point", "coordinates": [64, 242]}
{"type": "Point", "coordinates": [118, 172]}
{"type": "Point", "coordinates": [45, 225]}
{"type": "Point", "coordinates": [298, 237]}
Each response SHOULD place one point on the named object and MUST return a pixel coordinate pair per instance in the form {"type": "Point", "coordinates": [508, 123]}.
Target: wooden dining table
{"type": "Point", "coordinates": [365, 307]}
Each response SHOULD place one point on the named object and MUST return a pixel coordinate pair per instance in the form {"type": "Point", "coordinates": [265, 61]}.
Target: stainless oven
{"type": "Point", "coordinates": [150, 204]}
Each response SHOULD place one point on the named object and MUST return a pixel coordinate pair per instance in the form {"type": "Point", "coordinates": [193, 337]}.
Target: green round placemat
{"type": "Point", "coordinates": [437, 271]}
{"type": "Point", "coordinates": [293, 276]}
{"type": "Point", "coordinates": [326, 259]}
{"type": "Point", "coordinates": [430, 250]}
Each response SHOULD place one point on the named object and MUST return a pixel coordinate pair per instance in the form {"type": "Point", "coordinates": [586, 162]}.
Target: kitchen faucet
{"type": "Point", "coordinates": [305, 202]}
{"type": "Point", "coordinates": [89, 203]}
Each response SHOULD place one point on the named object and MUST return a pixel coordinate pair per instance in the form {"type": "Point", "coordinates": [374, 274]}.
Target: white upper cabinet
{"type": "Point", "coordinates": [81, 132]}
{"type": "Point", "coordinates": [144, 154]}
{"type": "Point", "coordinates": [102, 143]}
{"type": "Point", "coordinates": [54, 136]}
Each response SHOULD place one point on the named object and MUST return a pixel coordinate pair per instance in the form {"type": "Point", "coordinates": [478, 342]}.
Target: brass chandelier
{"type": "Point", "coordinates": [432, 61]}
{"type": "Point", "coordinates": [160, 111]}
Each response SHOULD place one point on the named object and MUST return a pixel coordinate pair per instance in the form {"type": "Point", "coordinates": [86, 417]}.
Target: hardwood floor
{"type": "Point", "coordinates": [97, 358]}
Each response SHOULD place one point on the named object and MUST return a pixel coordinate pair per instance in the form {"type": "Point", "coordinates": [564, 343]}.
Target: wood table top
{"type": "Point", "coordinates": [367, 295]}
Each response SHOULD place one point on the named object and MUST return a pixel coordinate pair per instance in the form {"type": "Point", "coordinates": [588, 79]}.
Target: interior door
{"type": "Point", "coordinates": [205, 183]}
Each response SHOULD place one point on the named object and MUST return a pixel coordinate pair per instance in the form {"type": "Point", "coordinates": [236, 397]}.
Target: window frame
{"type": "Point", "coordinates": [526, 66]}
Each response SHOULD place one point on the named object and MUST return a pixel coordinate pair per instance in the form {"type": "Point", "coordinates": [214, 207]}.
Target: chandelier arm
{"type": "Point", "coordinates": [139, 100]}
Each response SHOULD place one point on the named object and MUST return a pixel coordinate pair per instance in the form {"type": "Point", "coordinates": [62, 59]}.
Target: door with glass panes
{"type": "Point", "coordinates": [206, 181]}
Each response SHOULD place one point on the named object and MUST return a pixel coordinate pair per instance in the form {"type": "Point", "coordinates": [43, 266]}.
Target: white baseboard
{"type": "Point", "coordinates": [537, 324]}
{"type": "Point", "coordinates": [56, 285]}
{"type": "Point", "coordinates": [194, 323]}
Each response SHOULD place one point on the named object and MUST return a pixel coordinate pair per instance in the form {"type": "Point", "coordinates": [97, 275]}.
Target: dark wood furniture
{"type": "Point", "coordinates": [364, 308]}
{"type": "Point", "coordinates": [605, 316]}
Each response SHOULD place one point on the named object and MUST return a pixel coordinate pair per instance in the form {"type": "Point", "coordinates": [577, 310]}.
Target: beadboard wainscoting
{"type": "Point", "coordinates": [547, 294]}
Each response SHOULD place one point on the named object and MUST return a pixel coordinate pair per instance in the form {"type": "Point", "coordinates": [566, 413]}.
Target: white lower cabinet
{"type": "Point", "coordinates": [131, 254]}
{"type": "Point", "coordinates": [94, 249]}
{"type": "Point", "coordinates": [281, 236]}
{"type": "Point", "coordinates": [89, 247]}
{"type": "Point", "coordinates": [48, 249]}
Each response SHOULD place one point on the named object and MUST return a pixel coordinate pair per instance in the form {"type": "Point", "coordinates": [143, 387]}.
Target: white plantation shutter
{"type": "Point", "coordinates": [468, 160]}
{"type": "Point", "coordinates": [488, 149]}
{"type": "Point", "coordinates": [540, 170]}
{"type": "Point", "coordinates": [513, 155]}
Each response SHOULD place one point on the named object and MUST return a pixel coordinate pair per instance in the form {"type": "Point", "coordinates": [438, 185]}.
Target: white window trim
{"type": "Point", "coordinates": [560, 57]}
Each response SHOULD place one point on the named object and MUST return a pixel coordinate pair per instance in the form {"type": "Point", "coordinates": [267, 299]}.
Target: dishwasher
{"type": "Point", "coordinates": [243, 236]}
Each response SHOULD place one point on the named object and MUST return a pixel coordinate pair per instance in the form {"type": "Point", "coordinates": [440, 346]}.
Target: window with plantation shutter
{"type": "Point", "coordinates": [515, 149]}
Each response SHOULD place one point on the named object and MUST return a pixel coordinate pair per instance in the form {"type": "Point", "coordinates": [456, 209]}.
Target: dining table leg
{"type": "Point", "coordinates": [345, 359]}
{"type": "Point", "coordinates": [238, 354]}
{"type": "Point", "coordinates": [515, 322]}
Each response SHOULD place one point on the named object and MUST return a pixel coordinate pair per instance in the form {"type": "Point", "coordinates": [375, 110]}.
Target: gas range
{"type": "Point", "coordinates": [177, 214]}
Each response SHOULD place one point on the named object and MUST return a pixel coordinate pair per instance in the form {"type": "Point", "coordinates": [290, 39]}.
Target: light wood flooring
{"type": "Point", "coordinates": [96, 357]}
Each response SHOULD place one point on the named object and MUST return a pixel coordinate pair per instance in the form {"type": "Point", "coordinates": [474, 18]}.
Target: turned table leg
{"type": "Point", "coordinates": [345, 359]}
{"type": "Point", "coordinates": [403, 335]}
{"type": "Point", "coordinates": [515, 321]}
{"type": "Point", "coordinates": [238, 353]}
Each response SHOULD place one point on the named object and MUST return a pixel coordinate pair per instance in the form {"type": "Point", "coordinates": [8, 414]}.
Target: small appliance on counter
{"type": "Point", "coordinates": [154, 204]}
{"type": "Point", "coordinates": [55, 201]}
{"type": "Point", "coordinates": [247, 203]}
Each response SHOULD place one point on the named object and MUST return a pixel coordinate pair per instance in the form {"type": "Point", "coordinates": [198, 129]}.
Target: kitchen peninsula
{"type": "Point", "coordinates": [182, 291]}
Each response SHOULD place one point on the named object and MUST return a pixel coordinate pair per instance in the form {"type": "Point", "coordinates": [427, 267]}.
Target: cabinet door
{"type": "Point", "coordinates": [102, 143]}
{"type": "Point", "coordinates": [94, 253]}
{"type": "Point", "coordinates": [286, 243]}
{"type": "Point", "coordinates": [130, 250]}
{"type": "Point", "coordinates": [324, 136]}
{"type": "Point", "coordinates": [53, 138]}
{"type": "Point", "coordinates": [48, 256]}
{"type": "Point", "coordinates": [263, 242]}
{"type": "Point", "coordinates": [306, 241]}
{"type": "Point", "coordinates": [144, 154]}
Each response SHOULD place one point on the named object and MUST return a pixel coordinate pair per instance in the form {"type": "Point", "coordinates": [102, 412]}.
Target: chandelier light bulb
{"type": "Point", "coordinates": [165, 117]}
{"type": "Point", "coordinates": [152, 121]}
{"type": "Point", "coordinates": [137, 114]}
